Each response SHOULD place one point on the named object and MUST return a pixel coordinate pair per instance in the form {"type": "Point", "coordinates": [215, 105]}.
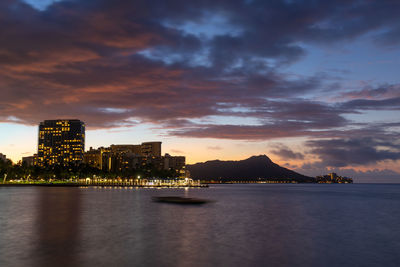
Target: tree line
{"type": "Point", "coordinates": [24, 172]}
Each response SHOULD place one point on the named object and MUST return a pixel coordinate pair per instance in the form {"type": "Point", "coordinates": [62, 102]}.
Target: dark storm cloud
{"type": "Point", "coordinates": [118, 63]}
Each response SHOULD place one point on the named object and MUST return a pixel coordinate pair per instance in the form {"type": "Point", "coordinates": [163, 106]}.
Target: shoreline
{"type": "Point", "coordinates": [93, 185]}
{"type": "Point", "coordinates": [201, 185]}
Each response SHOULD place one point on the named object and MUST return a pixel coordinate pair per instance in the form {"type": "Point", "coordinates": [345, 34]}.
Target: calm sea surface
{"type": "Point", "coordinates": [247, 225]}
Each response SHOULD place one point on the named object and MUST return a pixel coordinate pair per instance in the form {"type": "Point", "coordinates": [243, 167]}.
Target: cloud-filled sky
{"type": "Point", "coordinates": [312, 84]}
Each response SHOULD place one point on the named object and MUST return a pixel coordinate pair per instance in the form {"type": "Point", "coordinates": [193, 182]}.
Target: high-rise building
{"type": "Point", "coordinates": [61, 142]}
{"type": "Point", "coordinates": [151, 149]}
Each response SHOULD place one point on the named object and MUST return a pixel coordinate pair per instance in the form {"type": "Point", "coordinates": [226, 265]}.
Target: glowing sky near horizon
{"type": "Point", "coordinates": [314, 86]}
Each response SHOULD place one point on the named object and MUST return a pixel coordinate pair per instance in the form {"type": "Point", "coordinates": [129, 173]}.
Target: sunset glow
{"type": "Point", "coordinates": [224, 80]}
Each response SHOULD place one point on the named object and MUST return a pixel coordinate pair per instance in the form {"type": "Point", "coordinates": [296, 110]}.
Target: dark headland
{"type": "Point", "coordinates": [255, 168]}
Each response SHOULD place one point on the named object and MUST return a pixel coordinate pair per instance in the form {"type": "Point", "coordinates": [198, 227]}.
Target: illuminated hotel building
{"type": "Point", "coordinates": [61, 142]}
{"type": "Point", "coordinates": [151, 149]}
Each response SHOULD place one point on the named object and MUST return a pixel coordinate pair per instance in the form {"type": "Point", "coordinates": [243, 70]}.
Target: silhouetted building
{"type": "Point", "coordinates": [61, 142]}
{"type": "Point", "coordinates": [151, 149]}
{"type": "Point", "coordinates": [30, 161]}
{"type": "Point", "coordinates": [3, 157]}
{"type": "Point", "coordinates": [176, 163]}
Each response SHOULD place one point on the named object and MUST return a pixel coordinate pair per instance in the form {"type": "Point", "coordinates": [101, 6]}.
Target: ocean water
{"type": "Point", "coordinates": [246, 225]}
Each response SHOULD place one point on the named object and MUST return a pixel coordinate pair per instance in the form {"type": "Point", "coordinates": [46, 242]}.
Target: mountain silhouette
{"type": "Point", "coordinates": [254, 168]}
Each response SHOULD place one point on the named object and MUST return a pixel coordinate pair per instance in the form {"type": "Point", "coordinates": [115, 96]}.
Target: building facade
{"type": "Point", "coordinates": [176, 163]}
{"type": "Point", "coordinates": [144, 157]}
{"type": "Point", "coordinates": [61, 142]}
{"type": "Point", "coordinates": [135, 149]}
{"type": "Point", "coordinates": [151, 149]}
{"type": "Point", "coordinates": [94, 157]}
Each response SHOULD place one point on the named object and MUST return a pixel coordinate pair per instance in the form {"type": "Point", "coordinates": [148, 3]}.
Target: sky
{"type": "Point", "coordinates": [312, 84]}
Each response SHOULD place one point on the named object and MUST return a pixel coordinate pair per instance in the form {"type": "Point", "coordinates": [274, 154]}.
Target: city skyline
{"type": "Point", "coordinates": [317, 92]}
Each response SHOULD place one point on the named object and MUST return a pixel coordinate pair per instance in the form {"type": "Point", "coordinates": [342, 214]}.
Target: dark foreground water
{"type": "Point", "coordinates": [248, 225]}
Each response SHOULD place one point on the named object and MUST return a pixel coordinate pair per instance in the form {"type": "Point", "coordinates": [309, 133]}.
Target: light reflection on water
{"type": "Point", "coordinates": [247, 225]}
{"type": "Point", "coordinates": [57, 226]}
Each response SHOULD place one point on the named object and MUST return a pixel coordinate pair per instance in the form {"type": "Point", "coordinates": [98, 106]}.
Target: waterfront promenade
{"type": "Point", "coordinates": [120, 182]}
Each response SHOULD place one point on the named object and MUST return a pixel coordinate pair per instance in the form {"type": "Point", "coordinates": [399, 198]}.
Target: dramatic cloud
{"type": "Point", "coordinates": [355, 150]}
{"type": "Point", "coordinates": [286, 153]}
{"type": "Point", "coordinates": [111, 62]}
{"type": "Point", "coordinates": [204, 69]}
{"type": "Point", "coordinates": [380, 93]}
